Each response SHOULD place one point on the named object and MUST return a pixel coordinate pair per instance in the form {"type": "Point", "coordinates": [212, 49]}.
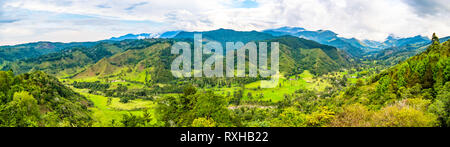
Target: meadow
{"type": "Point", "coordinates": [107, 114]}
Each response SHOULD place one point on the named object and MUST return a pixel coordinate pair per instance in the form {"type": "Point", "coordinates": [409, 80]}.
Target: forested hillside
{"type": "Point", "coordinates": [73, 60]}
{"type": "Point", "coordinates": [297, 55]}
{"type": "Point", "coordinates": [32, 50]}
{"type": "Point", "coordinates": [154, 61]}
{"type": "Point", "coordinates": [226, 35]}
{"type": "Point", "coordinates": [141, 63]}
{"type": "Point", "coordinates": [37, 100]}
{"type": "Point", "coordinates": [418, 86]}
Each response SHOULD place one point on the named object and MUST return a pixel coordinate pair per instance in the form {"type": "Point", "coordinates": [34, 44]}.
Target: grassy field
{"type": "Point", "coordinates": [104, 114]}
{"type": "Point", "coordinates": [306, 80]}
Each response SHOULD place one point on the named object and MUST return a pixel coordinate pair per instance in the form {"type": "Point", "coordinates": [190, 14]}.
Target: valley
{"type": "Point", "coordinates": [128, 83]}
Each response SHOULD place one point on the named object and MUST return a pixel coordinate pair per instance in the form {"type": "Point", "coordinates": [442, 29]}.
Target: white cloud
{"type": "Point", "coordinates": [90, 20]}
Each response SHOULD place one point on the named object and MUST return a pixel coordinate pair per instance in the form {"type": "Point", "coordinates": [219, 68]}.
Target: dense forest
{"type": "Point", "coordinates": [38, 100]}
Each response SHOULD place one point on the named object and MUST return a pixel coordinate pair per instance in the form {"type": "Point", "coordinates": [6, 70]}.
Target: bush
{"type": "Point", "coordinates": [203, 122]}
{"type": "Point", "coordinates": [355, 115]}
{"type": "Point", "coordinates": [409, 113]}
{"type": "Point", "coordinates": [124, 100]}
{"type": "Point", "coordinates": [397, 116]}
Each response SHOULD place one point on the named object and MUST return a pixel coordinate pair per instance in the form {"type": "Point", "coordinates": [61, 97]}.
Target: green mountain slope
{"type": "Point", "coordinates": [299, 54]}
{"type": "Point", "coordinates": [153, 63]}
{"type": "Point", "coordinates": [136, 62]}
{"type": "Point", "coordinates": [32, 50]}
{"type": "Point", "coordinates": [424, 77]}
{"type": "Point", "coordinates": [71, 61]}
{"type": "Point", "coordinates": [150, 59]}
{"type": "Point", "coordinates": [352, 46]}
{"type": "Point", "coordinates": [226, 35]}
{"type": "Point", "coordinates": [37, 99]}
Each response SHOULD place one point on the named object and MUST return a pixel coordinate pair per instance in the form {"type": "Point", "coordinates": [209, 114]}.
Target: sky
{"type": "Point", "coordinates": [23, 21]}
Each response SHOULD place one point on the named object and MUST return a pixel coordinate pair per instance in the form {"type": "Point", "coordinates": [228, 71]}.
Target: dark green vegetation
{"type": "Point", "coordinates": [36, 99]}
{"type": "Point", "coordinates": [72, 60]}
{"type": "Point", "coordinates": [299, 54]}
{"type": "Point", "coordinates": [129, 84]}
{"type": "Point", "coordinates": [153, 57]}
{"type": "Point", "coordinates": [224, 35]}
{"type": "Point", "coordinates": [32, 50]}
{"type": "Point", "coordinates": [420, 83]}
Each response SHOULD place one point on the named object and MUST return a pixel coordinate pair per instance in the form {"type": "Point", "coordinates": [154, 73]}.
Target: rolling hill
{"type": "Point", "coordinates": [226, 35]}
{"type": "Point", "coordinates": [36, 100]}
{"type": "Point", "coordinates": [31, 50]}
{"type": "Point", "coordinates": [136, 62]}
{"type": "Point", "coordinates": [153, 62]}
{"type": "Point", "coordinates": [143, 56]}
{"type": "Point", "coordinates": [73, 60]}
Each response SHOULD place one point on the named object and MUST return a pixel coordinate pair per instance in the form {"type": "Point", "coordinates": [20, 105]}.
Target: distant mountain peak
{"type": "Point", "coordinates": [392, 37]}
{"type": "Point", "coordinates": [169, 34]}
{"type": "Point", "coordinates": [292, 28]}
{"type": "Point", "coordinates": [286, 30]}
{"type": "Point", "coordinates": [227, 35]}
{"type": "Point", "coordinates": [135, 36]}
{"type": "Point", "coordinates": [327, 32]}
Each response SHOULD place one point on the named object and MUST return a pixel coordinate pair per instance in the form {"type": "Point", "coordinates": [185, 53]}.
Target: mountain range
{"type": "Point", "coordinates": [327, 50]}
{"type": "Point", "coordinates": [353, 46]}
{"type": "Point", "coordinates": [169, 34]}
{"type": "Point", "coordinates": [77, 84]}
{"type": "Point", "coordinates": [138, 56]}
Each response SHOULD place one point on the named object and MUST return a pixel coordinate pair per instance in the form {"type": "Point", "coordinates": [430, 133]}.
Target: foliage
{"type": "Point", "coordinates": [128, 84]}
{"type": "Point", "coordinates": [146, 120]}
{"type": "Point", "coordinates": [37, 99]}
{"type": "Point", "coordinates": [203, 122]}
{"type": "Point", "coordinates": [441, 106]}
{"type": "Point", "coordinates": [192, 105]}
{"type": "Point", "coordinates": [22, 111]}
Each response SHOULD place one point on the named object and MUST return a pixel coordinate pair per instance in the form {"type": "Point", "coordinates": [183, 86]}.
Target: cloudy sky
{"type": "Point", "coordinates": [24, 21]}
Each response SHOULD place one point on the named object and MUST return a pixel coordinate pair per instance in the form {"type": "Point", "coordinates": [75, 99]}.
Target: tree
{"type": "Point", "coordinates": [22, 111]}
{"type": "Point", "coordinates": [6, 79]}
{"type": "Point", "coordinates": [355, 115]}
{"type": "Point", "coordinates": [212, 106]}
{"type": "Point", "coordinates": [398, 116]}
{"type": "Point", "coordinates": [435, 43]}
{"type": "Point", "coordinates": [320, 118]}
{"type": "Point", "coordinates": [249, 95]}
{"type": "Point", "coordinates": [359, 82]}
{"type": "Point", "coordinates": [144, 120]}
{"type": "Point", "coordinates": [181, 111]}
{"type": "Point", "coordinates": [441, 106]}
{"type": "Point", "coordinates": [435, 39]}
{"type": "Point", "coordinates": [109, 101]}
{"type": "Point", "coordinates": [290, 117]}
{"type": "Point", "coordinates": [124, 100]}
{"type": "Point", "coordinates": [203, 122]}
